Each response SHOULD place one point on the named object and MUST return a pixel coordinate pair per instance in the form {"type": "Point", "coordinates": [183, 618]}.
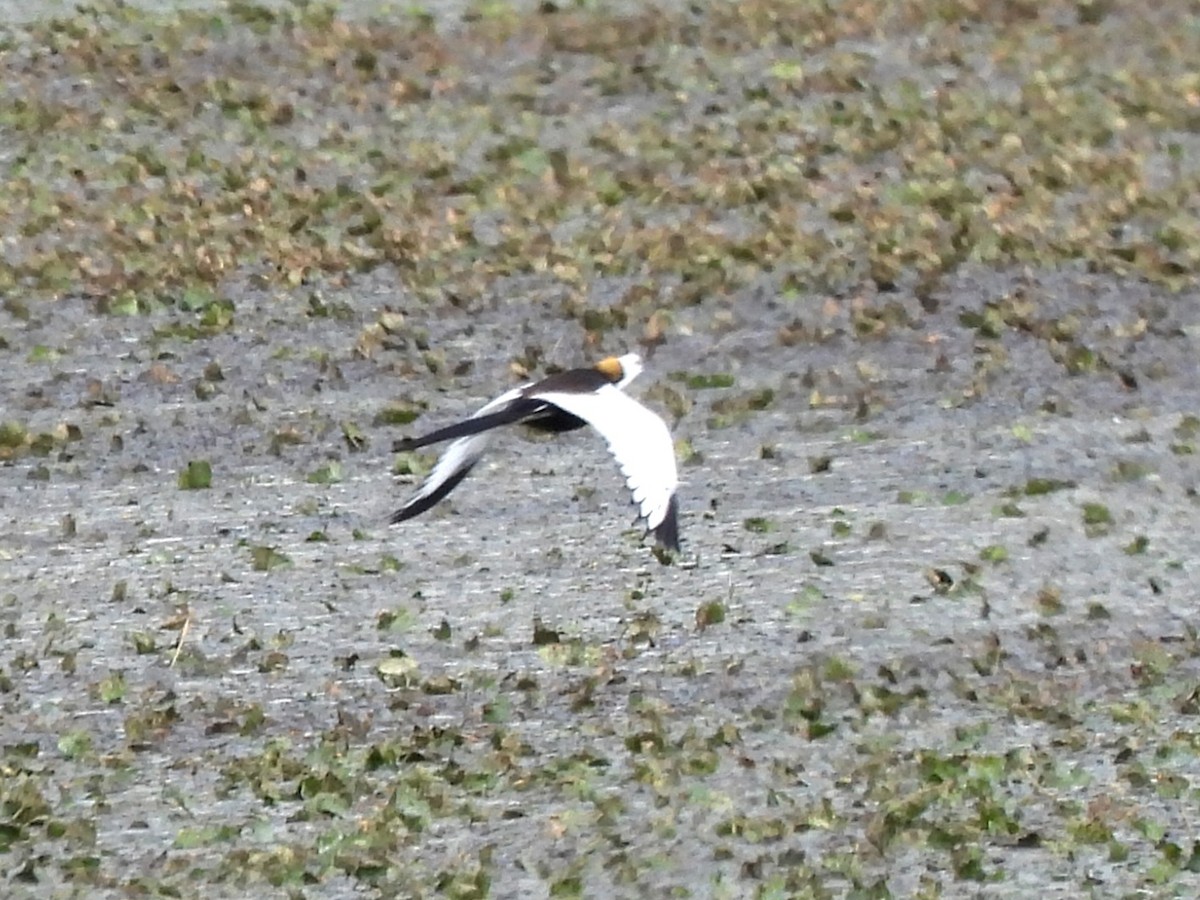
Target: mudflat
{"type": "Point", "coordinates": [916, 288]}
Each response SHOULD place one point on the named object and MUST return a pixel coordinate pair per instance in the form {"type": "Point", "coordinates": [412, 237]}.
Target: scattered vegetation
{"type": "Point", "coordinates": [689, 154]}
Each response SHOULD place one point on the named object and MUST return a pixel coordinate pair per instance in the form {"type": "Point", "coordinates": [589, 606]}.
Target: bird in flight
{"type": "Point", "coordinates": [637, 438]}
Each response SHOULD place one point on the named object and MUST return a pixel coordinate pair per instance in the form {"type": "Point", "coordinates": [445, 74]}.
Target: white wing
{"type": "Point", "coordinates": [453, 465]}
{"type": "Point", "coordinates": [639, 441]}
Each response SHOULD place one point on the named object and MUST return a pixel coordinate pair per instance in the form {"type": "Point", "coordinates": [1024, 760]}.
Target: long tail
{"type": "Point", "coordinates": [514, 412]}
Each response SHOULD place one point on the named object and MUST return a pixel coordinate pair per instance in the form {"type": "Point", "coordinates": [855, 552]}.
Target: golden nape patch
{"type": "Point", "coordinates": [611, 369]}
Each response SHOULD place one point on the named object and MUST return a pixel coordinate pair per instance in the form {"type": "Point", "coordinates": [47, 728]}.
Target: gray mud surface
{"type": "Point", "coordinates": [932, 633]}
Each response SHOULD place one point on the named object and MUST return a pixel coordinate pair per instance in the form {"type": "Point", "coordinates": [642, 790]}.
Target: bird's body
{"type": "Point", "coordinates": [637, 438]}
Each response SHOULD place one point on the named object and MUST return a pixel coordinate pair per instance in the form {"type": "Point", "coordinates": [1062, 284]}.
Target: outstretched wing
{"type": "Point", "coordinates": [640, 443]}
{"type": "Point", "coordinates": [451, 468]}
{"type": "Point", "coordinates": [460, 456]}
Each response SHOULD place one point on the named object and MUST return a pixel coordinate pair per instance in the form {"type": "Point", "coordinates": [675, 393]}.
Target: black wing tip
{"type": "Point", "coordinates": [420, 504]}
{"type": "Point", "coordinates": [405, 445]}
{"type": "Point", "coordinates": [667, 532]}
{"type": "Point", "coordinates": [401, 515]}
